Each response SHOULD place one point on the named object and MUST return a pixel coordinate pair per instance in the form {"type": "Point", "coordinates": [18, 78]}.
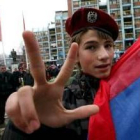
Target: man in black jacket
{"type": "Point", "coordinates": [6, 88]}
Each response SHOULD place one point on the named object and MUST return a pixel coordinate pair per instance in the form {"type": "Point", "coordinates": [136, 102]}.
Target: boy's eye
{"type": "Point", "coordinates": [108, 45]}
{"type": "Point", "coordinates": [91, 47]}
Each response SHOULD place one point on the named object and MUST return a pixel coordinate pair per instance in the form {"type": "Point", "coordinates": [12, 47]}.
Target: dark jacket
{"type": "Point", "coordinates": [80, 92]}
{"type": "Point", "coordinates": [6, 84]}
{"type": "Point", "coordinates": [16, 82]}
{"type": "Point", "coordinates": [28, 79]}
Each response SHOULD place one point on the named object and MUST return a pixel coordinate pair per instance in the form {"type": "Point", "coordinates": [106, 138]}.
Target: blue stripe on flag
{"type": "Point", "coordinates": [125, 108]}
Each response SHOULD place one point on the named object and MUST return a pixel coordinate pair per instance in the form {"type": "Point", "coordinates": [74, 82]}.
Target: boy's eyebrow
{"type": "Point", "coordinates": [108, 41]}
{"type": "Point", "coordinates": [96, 42]}
{"type": "Point", "coordinates": [91, 42]}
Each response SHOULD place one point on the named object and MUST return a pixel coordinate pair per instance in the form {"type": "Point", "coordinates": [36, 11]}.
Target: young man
{"type": "Point", "coordinates": [51, 110]}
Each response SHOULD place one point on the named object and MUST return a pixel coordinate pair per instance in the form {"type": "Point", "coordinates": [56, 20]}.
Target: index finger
{"type": "Point", "coordinates": [36, 64]}
{"type": "Point", "coordinates": [68, 66]}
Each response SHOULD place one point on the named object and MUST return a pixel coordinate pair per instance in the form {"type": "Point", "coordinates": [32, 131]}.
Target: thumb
{"type": "Point", "coordinates": [83, 112]}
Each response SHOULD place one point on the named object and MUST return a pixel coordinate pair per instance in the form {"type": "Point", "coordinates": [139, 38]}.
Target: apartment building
{"type": "Point", "coordinates": [54, 41]}
{"type": "Point", "coordinates": [73, 5]}
{"type": "Point", "coordinates": [125, 12]}
{"type": "Point", "coordinates": [46, 38]}
{"type": "Point", "coordinates": [61, 36]}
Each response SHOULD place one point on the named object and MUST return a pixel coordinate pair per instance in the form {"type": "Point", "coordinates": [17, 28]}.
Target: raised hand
{"type": "Point", "coordinates": [42, 103]}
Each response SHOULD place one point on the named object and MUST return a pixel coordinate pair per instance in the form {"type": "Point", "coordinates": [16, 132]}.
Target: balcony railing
{"type": "Point", "coordinates": [119, 37]}
{"type": "Point", "coordinates": [126, 1]}
{"type": "Point", "coordinates": [114, 6]}
{"type": "Point", "coordinates": [127, 24]}
{"type": "Point", "coordinates": [137, 34]}
{"type": "Point", "coordinates": [57, 24]}
{"type": "Point", "coordinates": [128, 35]}
{"type": "Point", "coordinates": [137, 25]}
{"type": "Point", "coordinates": [119, 46]}
{"type": "Point", "coordinates": [126, 12]}
{"type": "Point", "coordinates": [137, 14]}
{"type": "Point", "coordinates": [89, 2]}
{"type": "Point", "coordinates": [136, 3]}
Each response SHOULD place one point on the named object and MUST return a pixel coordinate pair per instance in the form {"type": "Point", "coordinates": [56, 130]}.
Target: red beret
{"type": "Point", "coordinates": [91, 18]}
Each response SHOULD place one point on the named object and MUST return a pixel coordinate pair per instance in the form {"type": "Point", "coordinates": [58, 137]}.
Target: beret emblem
{"type": "Point", "coordinates": [91, 17]}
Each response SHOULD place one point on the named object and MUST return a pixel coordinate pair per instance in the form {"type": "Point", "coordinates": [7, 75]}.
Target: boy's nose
{"type": "Point", "coordinates": [103, 53]}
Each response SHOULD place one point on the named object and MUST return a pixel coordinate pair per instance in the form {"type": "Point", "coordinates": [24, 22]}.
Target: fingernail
{"type": "Point", "coordinates": [34, 125]}
{"type": "Point", "coordinates": [28, 130]}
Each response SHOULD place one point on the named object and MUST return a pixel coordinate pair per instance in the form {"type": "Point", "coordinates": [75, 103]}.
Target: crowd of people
{"type": "Point", "coordinates": [11, 81]}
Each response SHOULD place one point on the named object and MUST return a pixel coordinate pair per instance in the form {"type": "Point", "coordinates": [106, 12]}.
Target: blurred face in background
{"type": "Point", "coordinates": [24, 66]}
{"type": "Point", "coordinates": [3, 69]}
{"type": "Point", "coordinates": [20, 69]}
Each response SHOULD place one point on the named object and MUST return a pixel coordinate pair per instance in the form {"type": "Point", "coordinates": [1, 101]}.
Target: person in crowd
{"type": "Point", "coordinates": [6, 88]}
{"type": "Point", "coordinates": [28, 79]}
{"type": "Point", "coordinates": [51, 110]}
{"type": "Point", "coordinates": [16, 81]}
{"type": "Point", "coordinates": [22, 73]}
{"type": "Point", "coordinates": [54, 70]}
{"type": "Point", "coordinates": [47, 69]}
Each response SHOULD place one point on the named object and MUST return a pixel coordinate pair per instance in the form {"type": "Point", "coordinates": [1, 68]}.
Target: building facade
{"type": "Point", "coordinates": [54, 41]}
{"type": "Point", "coordinates": [61, 35]}
{"type": "Point", "coordinates": [125, 12]}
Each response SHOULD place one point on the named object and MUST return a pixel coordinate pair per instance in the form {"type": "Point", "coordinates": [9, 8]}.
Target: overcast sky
{"type": "Point", "coordinates": [37, 14]}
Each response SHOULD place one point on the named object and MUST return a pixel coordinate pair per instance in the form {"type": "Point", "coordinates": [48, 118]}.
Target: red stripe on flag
{"type": "Point", "coordinates": [101, 126]}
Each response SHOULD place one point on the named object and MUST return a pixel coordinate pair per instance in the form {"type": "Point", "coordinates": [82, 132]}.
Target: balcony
{"type": "Point", "coordinates": [45, 39]}
{"type": "Point", "coordinates": [137, 34]}
{"type": "Point", "coordinates": [137, 3]}
{"type": "Point", "coordinates": [126, 13]}
{"type": "Point", "coordinates": [119, 37]}
{"type": "Point", "coordinates": [117, 16]}
{"type": "Point", "coordinates": [119, 46]}
{"type": "Point", "coordinates": [128, 35]}
{"type": "Point", "coordinates": [59, 38]}
{"type": "Point", "coordinates": [58, 24]}
{"type": "Point", "coordinates": [120, 26]}
{"type": "Point", "coordinates": [114, 6]}
{"type": "Point", "coordinates": [126, 1]}
{"type": "Point", "coordinates": [137, 14]}
{"type": "Point", "coordinates": [127, 24]}
{"type": "Point", "coordinates": [76, 4]}
{"type": "Point", "coordinates": [53, 53]}
{"type": "Point", "coordinates": [137, 24]}
{"type": "Point", "coordinates": [93, 2]}
{"type": "Point", "coordinates": [59, 44]}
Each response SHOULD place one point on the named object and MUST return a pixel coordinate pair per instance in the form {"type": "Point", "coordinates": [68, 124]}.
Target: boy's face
{"type": "Point", "coordinates": [95, 54]}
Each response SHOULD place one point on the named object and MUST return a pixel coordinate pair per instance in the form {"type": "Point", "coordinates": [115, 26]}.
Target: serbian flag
{"type": "Point", "coordinates": [119, 100]}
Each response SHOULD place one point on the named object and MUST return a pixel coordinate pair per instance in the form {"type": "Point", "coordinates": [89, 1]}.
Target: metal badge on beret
{"type": "Point", "coordinates": [91, 17]}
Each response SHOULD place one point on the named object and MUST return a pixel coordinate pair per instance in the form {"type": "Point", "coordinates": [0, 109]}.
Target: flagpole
{"type": "Point", "coordinates": [3, 54]}
{"type": "Point", "coordinates": [2, 43]}
{"type": "Point", "coordinates": [23, 41]}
